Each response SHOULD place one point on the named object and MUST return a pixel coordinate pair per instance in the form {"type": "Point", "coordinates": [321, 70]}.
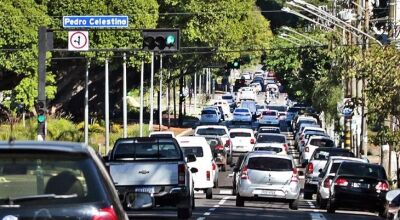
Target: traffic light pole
{"type": "Point", "coordinates": [124, 101]}
{"type": "Point", "coordinates": [107, 106]}
{"type": "Point", "coordinates": [141, 99]}
{"type": "Point", "coordinates": [160, 105]}
{"type": "Point", "coordinates": [151, 92]}
{"type": "Point", "coordinates": [41, 134]}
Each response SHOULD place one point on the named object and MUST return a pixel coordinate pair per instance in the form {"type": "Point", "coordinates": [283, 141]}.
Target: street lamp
{"type": "Point", "coordinates": [303, 35]}
{"type": "Point", "coordinates": [288, 10]}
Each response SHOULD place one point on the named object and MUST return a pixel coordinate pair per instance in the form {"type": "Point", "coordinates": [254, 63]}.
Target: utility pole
{"type": "Point", "coordinates": [160, 98]}
{"type": "Point", "coordinates": [151, 92]}
{"type": "Point", "coordinates": [87, 102]}
{"type": "Point", "coordinates": [41, 101]}
{"type": "Point", "coordinates": [124, 101]}
{"type": "Point", "coordinates": [107, 106]}
{"type": "Point", "coordinates": [141, 99]}
{"type": "Point", "coordinates": [180, 99]}
{"type": "Point", "coordinates": [169, 100]}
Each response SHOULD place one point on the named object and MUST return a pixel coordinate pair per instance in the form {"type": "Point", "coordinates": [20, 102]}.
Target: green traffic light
{"type": "Point", "coordinates": [236, 64]}
{"type": "Point", "coordinates": [170, 40]}
{"type": "Point", "coordinates": [41, 118]}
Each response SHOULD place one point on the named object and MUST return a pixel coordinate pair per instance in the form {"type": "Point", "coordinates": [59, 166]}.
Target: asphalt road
{"type": "Point", "coordinates": [222, 205]}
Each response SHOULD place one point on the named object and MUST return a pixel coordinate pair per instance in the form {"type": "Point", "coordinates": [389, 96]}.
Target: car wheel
{"type": "Point", "coordinates": [307, 195]}
{"type": "Point", "coordinates": [209, 193]}
{"type": "Point", "coordinates": [239, 201]}
{"type": "Point", "coordinates": [294, 204]}
{"type": "Point", "coordinates": [330, 206]}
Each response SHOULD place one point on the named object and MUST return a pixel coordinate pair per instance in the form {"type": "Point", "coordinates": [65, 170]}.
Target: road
{"type": "Point", "coordinates": [223, 206]}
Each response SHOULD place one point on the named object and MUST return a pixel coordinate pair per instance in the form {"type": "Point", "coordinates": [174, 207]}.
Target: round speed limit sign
{"type": "Point", "coordinates": [78, 40]}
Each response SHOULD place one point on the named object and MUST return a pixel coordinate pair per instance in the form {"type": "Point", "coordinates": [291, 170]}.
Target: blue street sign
{"type": "Point", "coordinates": [103, 21]}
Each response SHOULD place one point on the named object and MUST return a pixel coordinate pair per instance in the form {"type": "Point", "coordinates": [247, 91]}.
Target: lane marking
{"type": "Point", "coordinates": [317, 216]}
{"type": "Point", "coordinates": [201, 218]}
{"type": "Point", "coordinates": [210, 210]}
{"type": "Point", "coordinates": [207, 213]}
{"type": "Point", "coordinates": [216, 206]}
{"type": "Point", "coordinates": [225, 192]}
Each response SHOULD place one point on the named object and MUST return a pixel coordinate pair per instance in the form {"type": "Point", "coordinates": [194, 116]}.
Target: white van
{"type": "Point", "coordinates": [203, 179]}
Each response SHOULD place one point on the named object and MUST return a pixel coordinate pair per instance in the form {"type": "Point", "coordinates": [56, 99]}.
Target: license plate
{"type": "Point", "coordinates": [239, 147]}
{"type": "Point", "coordinates": [361, 185]}
{"type": "Point", "coordinates": [264, 192]}
{"type": "Point", "coordinates": [145, 190]}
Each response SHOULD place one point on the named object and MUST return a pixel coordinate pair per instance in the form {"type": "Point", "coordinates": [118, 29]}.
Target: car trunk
{"type": "Point", "coordinates": [270, 171]}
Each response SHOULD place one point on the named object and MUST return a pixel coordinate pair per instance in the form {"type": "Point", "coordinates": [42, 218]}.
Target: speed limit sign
{"type": "Point", "coordinates": [78, 40]}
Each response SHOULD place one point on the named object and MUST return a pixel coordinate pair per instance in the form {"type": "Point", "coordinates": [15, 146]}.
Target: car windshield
{"type": "Point", "coordinates": [362, 170]}
{"type": "Point", "coordinates": [274, 149]}
{"type": "Point", "coordinates": [269, 164]}
{"type": "Point", "coordinates": [294, 109]}
{"type": "Point", "coordinates": [239, 134]}
{"type": "Point", "coordinates": [197, 151]}
{"type": "Point", "coordinates": [140, 151]}
{"type": "Point", "coordinates": [260, 107]}
{"type": "Point", "coordinates": [265, 138]}
{"type": "Point", "coordinates": [208, 112]}
{"type": "Point", "coordinates": [322, 142]}
{"type": "Point", "coordinates": [278, 108]}
{"type": "Point", "coordinates": [211, 131]}
{"type": "Point", "coordinates": [250, 105]}
{"type": "Point", "coordinates": [241, 110]}
{"type": "Point", "coordinates": [325, 154]}
{"type": "Point", "coordinates": [227, 97]}
{"type": "Point", "coordinates": [31, 174]}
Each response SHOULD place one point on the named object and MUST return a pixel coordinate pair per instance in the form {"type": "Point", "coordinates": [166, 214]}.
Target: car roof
{"type": "Point", "coordinates": [211, 126]}
{"type": "Point", "coordinates": [331, 149]}
{"type": "Point", "coordinates": [248, 130]}
{"type": "Point", "coordinates": [162, 132]}
{"type": "Point", "coordinates": [61, 146]}
{"type": "Point", "coordinates": [356, 162]}
{"type": "Point", "coordinates": [269, 127]}
{"type": "Point", "coordinates": [320, 137]}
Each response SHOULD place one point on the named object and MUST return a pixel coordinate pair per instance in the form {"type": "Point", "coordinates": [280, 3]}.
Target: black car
{"type": "Point", "coordinates": [55, 180]}
{"type": "Point", "coordinates": [239, 83]}
{"type": "Point", "coordinates": [359, 186]}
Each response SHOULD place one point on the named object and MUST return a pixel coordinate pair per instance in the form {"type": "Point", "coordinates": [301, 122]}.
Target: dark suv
{"type": "Point", "coordinates": [55, 180]}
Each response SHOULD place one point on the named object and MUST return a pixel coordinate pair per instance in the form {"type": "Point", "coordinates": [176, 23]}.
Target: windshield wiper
{"type": "Point", "coordinates": [13, 200]}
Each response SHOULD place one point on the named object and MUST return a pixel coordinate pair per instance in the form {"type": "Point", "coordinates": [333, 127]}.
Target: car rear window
{"type": "Point", "coordinates": [269, 130]}
{"type": "Point", "coordinates": [334, 167]}
{"type": "Point", "coordinates": [27, 173]}
{"type": "Point", "coordinates": [227, 97]}
{"type": "Point", "coordinates": [278, 108]}
{"type": "Point", "coordinates": [270, 113]}
{"type": "Point", "coordinates": [274, 149]}
{"type": "Point", "coordinates": [325, 154]}
{"type": "Point", "coordinates": [269, 164]}
{"type": "Point", "coordinates": [140, 151]}
{"type": "Point", "coordinates": [242, 110]}
{"type": "Point", "coordinates": [362, 170]}
{"type": "Point", "coordinates": [161, 135]}
{"type": "Point", "coordinates": [211, 131]}
{"type": "Point", "coordinates": [206, 112]}
{"type": "Point", "coordinates": [197, 151]}
{"type": "Point", "coordinates": [239, 134]}
{"type": "Point", "coordinates": [265, 138]}
{"type": "Point", "coordinates": [322, 142]}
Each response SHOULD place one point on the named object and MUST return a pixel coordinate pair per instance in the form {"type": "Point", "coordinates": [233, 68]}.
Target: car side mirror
{"type": "Point", "coordinates": [194, 170]}
{"type": "Point", "coordinates": [191, 158]}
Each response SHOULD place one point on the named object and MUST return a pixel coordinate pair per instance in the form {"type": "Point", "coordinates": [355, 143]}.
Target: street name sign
{"type": "Point", "coordinates": [78, 40]}
{"type": "Point", "coordinates": [103, 21]}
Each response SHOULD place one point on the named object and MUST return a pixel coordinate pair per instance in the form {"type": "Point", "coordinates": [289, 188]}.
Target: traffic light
{"type": "Point", "coordinates": [160, 39]}
{"type": "Point", "coordinates": [234, 65]}
{"type": "Point", "coordinates": [41, 111]}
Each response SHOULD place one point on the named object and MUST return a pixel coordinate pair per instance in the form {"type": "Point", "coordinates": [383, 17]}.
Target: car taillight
{"type": "Point", "coordinates": [105, 214]}
{"type": "Point", "coordinates": [244, 175]}
{"type": "Point", "coordinates": [341, 182]}
{"type": "Point", "coordinates": [181, 173]}
{"type": "Point", "coordinates": [327, 183]}
{"type": "Point", "coordinates": [228, 142]}
{"type": "Point", "coordinates": [310, 168]}
{"type": "Point", "coordinates": [208, 175]}
{"type": "Point", "coordinates": [219, 147]}
{"type": "Point", "coordinates": [286, 147]}
{"type": "Point", "coordinates": [252, 141]}
{"type": "Point", "coordinates": [382, 186]}
{"type": "Point", "coordinates": [306, 149]}
{"type": "Point", "coordinates": [294, 178]}
{"type": "Point", "coordinates": [214, 166]}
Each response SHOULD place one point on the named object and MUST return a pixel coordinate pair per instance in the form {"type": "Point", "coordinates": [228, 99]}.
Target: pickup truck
{"type": "Point", "coordinates": [152, 172]}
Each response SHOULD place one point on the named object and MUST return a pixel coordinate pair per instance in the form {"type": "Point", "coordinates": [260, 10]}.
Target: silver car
{"type": "Point", "coordinates": [242, 114]}
{"type": "Point", "coordinates": [327, 174]}
{"type": "Point", "coordinates": [267, 177]}
{"type": "Point", "coordinates": [209, 116]}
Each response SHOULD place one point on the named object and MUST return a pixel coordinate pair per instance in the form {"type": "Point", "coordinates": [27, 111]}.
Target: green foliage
{"type": "Point", "coordinates": [63, 130]}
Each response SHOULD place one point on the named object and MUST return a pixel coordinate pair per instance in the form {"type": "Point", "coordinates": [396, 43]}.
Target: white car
{"type": "Point", "coordinates": [256, 86]}
{"type": "Point", "coordinates": [272, 142]}
{"type": "Point", "coordinates": [162, 134]}
{"type": "Point", "coordinates": [242, 139]}
{"type": "Point", "coordinates": [247, 93]}
{"type": "Point", "coordinates": [242, 114]}
{"type": "Point", "coordinates": [225, 107]}
{"type": "Point", "coordinates": [209, 116]}
{"type": "Point", "coordinates": [203, 179]}
{"type": "Point", "coordinates": [313, 143]}
{"type": "Point", "coordinates": [269, 117]}
{"type": "Point", "coordinates": [328, 174]}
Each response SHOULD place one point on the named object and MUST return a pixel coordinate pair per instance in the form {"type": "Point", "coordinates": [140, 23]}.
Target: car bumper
{"type": "Point", "coordinates": [258, 191]}
{"type": "Point", "coordinates": [178, 196]}
{"type": "Point", "coordinates": [324, 192]}
{"type": "Point", "coordinates": [370, 201]}
{"type": "Point", "coordinates": [311, 186]}
{"type": "Point", "coordinates": [242, 148]}
{"type": "Point", "coordinates": [248, 119]}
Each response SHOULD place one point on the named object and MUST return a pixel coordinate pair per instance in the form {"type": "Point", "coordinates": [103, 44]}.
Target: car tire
{"type": "Point", "coordinates": [239, 201]}
{"type": "Point", "coordinates": [294, 204]}
{"type": "Point", "coordinates": [307, 195]}
{"type": "Point", "coordinates": [209, 193]}
{"type": "Point", "coordinates": [330, 206]}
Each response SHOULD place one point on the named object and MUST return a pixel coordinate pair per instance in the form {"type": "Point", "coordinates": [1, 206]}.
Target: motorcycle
{"type": "Point", "coordinates": [393, 204]}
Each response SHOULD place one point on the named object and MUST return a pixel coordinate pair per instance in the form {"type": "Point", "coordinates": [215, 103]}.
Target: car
{"type": "Point", "coordinates": [313, 143]}
{"type": "Point", "coordinates": [318, 161]}
{"type": "Point", "coordinates": [226, 110]}
{"type": "Point", "coordinates": [252, 106]}
{"type": "Point", "coordinates": [209, 116]}
{"type": "Point", "coordinates": [291, 114]}
{"type": "Point", "coordinates": [220, 153]}
{"type": "Point", "coordinates": [247, 93]}
{"type": "Point", "coordinates": [269, 117]}
{"type": "Point", "coordinates": [308, 127]}
{"type": "Point", "coordinates": [256, 86]}
{"type": "Point", "coordinates": [268, 177]}
{"type": "Point", "coordinates": [150, 173]}
{"type": "Point", "coordinates": [358, 186]}
{"type": "Point", "coordinates": [230, 99]}
{"type": "Point", "coordinates": [239, 83]}
{"type": "Point", "coordinates": [268, 129]}
{"type": "Point", "coordinates": [219, 111]}
{"type": "Point", "coordinates": [326, 175]}
{"type": "Point", "coordinates": [259, 80]}
{"type": "Point", "coordinates": [306, 137]}
{"type": "Point", "coordinates": [275, 142]}
{"type": "Point", "coordinates": [242, 114]}
{"type": "Point", "coordinates": [260, 108]}
{"type": "Point", "coordinates": [303, 120]}
{"type": "Point", "coordinates": [162, 134]}
{"type": "Point", "coordinates": [242, 139]}
{"type": "Point", "coordinates": [219, 131]}
{"type": "Point", "coordinates": [246, 76]}
{"type": "Point", "coordinates": [203, 179]}
{"type": "Point", "coordinates": [55, 180]}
